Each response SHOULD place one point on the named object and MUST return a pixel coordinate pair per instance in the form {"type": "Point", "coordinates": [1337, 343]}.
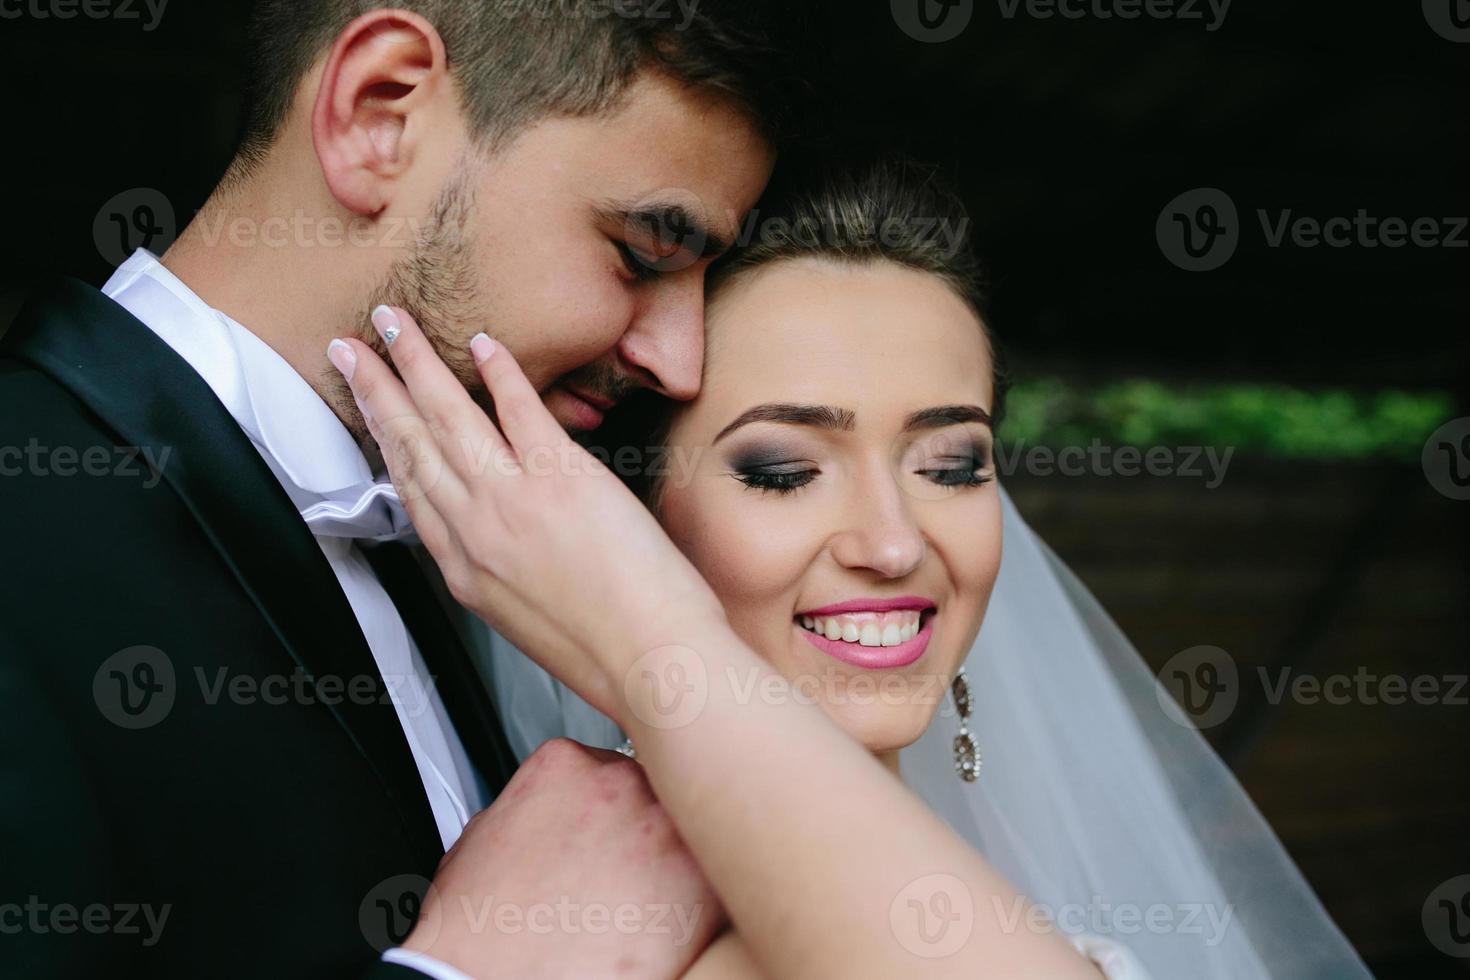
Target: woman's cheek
{"type": "Point", "coordinates": [969, 540]}
{"type": "Point", "coordinates": [750, 551]}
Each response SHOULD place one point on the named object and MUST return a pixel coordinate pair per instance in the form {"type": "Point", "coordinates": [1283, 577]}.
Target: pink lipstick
{"type": "Point", "coordinates": [874, 634]}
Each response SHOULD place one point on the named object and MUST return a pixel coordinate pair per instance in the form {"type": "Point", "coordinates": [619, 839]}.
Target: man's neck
{"type": "Point", "coordinates": [282, 270]}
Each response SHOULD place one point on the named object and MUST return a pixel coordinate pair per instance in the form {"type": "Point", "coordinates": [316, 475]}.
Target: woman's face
{"type": "Point", "coordinates": [833, 483]}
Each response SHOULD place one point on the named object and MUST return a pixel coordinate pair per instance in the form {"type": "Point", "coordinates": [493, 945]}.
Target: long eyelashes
{"type": "Point", "coordinates": [957, 477]}
{"type": "Point", "coordinates": [968, 472]}
{"type": "Point", "coordinates": [780, 483]}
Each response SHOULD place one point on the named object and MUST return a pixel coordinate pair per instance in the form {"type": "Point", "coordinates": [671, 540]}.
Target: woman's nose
{"type": "Point", "coordinates": [881, 535]}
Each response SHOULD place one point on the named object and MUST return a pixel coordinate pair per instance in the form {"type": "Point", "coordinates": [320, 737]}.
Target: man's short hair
{"type": "Point", "coordinates": [519, 61]}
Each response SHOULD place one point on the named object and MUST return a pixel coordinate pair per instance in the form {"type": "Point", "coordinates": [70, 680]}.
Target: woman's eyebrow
{"type": "Point", "coordinates": [934, 418]}
{"type": "Point", "coordinates": [842, 419]}
{"type": "Point", "coordinates": [821, 416]}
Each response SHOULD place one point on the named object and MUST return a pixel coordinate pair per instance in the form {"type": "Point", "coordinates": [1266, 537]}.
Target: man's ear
{"type": "Point", "coordinates": [384, 67]}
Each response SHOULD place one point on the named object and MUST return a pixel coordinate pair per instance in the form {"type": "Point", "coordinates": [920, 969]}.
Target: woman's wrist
{"type": "Point", "coordinates": [668, 678]}
{"type": "Point", "coordinates": [662, 678]}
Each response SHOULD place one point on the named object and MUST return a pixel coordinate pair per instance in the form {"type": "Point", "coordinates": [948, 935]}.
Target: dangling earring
{"type": "Point", "coordinates": [966, 752]}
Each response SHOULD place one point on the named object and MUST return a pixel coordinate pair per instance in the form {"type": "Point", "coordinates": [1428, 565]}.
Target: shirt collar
{"type": "Point", "coordinates": [307, 446]}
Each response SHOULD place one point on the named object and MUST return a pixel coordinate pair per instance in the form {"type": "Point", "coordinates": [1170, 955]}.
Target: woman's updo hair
{"type": "Point", "coordinates": [882, 209]}
{"type": "Point", "coordinates": [886, 208]}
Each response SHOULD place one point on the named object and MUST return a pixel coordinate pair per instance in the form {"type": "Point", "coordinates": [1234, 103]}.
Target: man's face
{"type": "Point", "coordinates": [582, 246]}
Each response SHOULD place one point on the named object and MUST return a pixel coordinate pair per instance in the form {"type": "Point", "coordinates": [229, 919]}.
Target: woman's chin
{"type": "Point", "coordinates": [889, 731]}
{"type": "Point", "coordinates": [884, 709]}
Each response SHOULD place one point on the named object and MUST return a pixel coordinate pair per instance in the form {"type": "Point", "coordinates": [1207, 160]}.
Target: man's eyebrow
{"type": "Point", "coordinates": [821, 416]}
{"type": "Point", "coordinates": [670, 223]}
{"type": "Point", "coordinates": [934, 418]}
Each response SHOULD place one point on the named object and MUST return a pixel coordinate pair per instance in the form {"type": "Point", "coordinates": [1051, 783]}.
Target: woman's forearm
{"type": "Point", "coordinates": [822, 857]}
{"type": "Point", "coordinates": [827, 864]}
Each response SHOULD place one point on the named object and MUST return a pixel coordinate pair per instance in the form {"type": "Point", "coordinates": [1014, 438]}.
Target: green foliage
{"type": "Point", "coordinates": [1275, 420]}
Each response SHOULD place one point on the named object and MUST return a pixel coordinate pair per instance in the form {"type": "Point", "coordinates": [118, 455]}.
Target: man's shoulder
{"type": "Point", "coordinates": [29, 394]}
{"type": "Point", "coordinates": [37, 412]}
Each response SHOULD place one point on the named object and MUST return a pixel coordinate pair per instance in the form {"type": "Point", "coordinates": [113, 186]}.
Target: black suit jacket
{"type": "Point", "coordinates": [201, 773]}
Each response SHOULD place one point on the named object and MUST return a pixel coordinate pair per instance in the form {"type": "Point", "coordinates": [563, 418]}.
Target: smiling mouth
{"type": "Point", "coordinates": [870, 639]}
{"type": "Point", "coordinates": [868, 629]}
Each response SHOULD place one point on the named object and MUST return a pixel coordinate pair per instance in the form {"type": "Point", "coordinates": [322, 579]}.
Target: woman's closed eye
{"type": "Point", "coordinates": [967, 470]}
{"type": "Point", "coordinates": [780, 478]}
{"type": "Point", "coordinates": [952, 458]}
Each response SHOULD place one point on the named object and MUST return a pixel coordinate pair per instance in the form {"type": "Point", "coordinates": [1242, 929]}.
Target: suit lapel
{"type": "Point", "coordinates": [153, 400]}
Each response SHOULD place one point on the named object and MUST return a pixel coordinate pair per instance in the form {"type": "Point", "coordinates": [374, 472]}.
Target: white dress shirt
{"type": "Point", "coordinates": [329, 480]}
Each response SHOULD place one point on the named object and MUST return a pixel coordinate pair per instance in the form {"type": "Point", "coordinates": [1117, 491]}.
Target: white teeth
{"type": "Point", "coordinates": [867, 628]}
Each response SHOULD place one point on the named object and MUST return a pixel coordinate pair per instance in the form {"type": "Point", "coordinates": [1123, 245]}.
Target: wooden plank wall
{"type": "Point", "coordinates": [1370, 798]}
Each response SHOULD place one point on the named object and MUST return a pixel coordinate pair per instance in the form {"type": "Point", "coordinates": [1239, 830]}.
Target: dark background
{"type": "Point", "coordinates": [1069, 137]}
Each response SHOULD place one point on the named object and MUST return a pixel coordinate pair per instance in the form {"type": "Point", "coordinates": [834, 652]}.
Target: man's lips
{"type": "Point", "coordinates": [576, 412]}
{"type": "Point", "coordinates": [599, 402]}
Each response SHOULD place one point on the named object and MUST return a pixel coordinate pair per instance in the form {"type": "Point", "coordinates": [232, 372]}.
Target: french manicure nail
{"type": "Point", "coordinates": [482, 347]}
{"type": "Point", "coordinates": [342, 357]}
{"type": "Point", "coordinates": [385, 321]}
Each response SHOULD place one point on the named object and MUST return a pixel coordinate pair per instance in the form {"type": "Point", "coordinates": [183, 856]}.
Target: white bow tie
{"type": "Point", "coordinates": [367, 510]}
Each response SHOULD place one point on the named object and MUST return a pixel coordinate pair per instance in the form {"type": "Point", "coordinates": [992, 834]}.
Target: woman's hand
{"type": "Point", "coordinates": [531, 531]}
{"type": "Point", "coordinates": [806, 839]}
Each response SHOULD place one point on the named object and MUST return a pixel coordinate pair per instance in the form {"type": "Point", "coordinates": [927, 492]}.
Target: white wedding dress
{"type": "Point", "coordinates": [1096, 799]}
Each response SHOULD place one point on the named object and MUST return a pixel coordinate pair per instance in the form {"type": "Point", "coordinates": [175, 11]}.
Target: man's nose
{"type": "Point", "coordinates": [666, 338]}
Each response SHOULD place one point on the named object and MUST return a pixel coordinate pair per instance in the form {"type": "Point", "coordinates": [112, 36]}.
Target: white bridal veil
{"type": "Point", "coordinates": [1111, 814]}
